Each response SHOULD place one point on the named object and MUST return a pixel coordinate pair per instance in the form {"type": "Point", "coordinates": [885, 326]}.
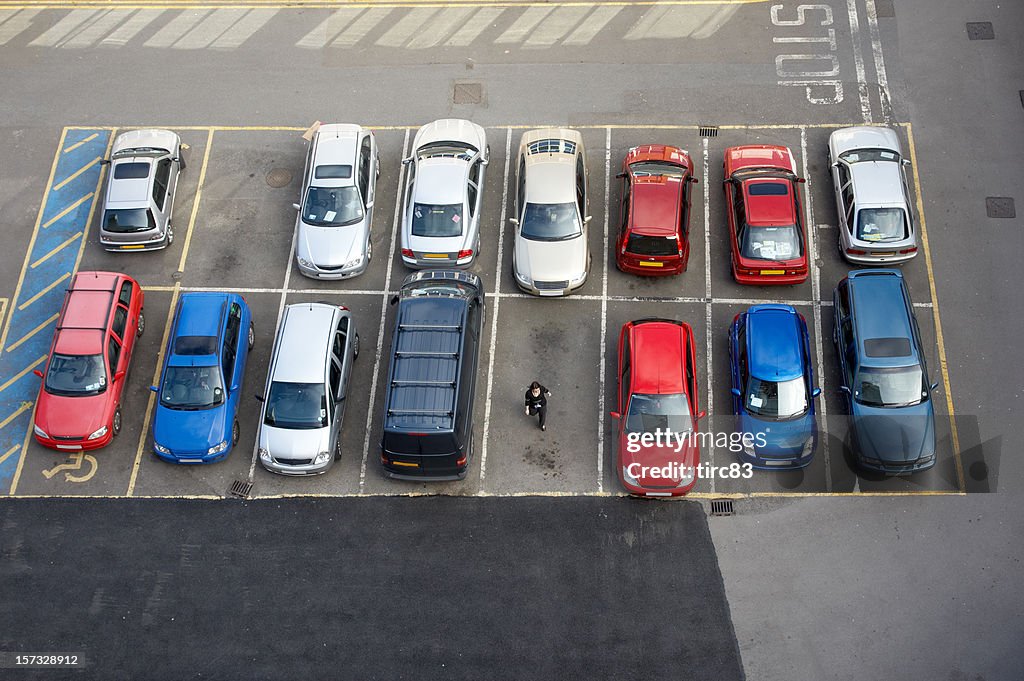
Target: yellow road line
{"type": "Point", "coordinates": [78, 172]}
{"type": "Point", "coordinates": [24, 371]}
{"type": "Point", "coordinates": [25, 406]}
{"type": "Point", "coordinates": [3, 310]}
{"type": "Point", "coordinates": [70, 208]}
{"type": "Point", "coordinates": [67, 275]}
{"type": "Point", "coordinates": [88, 139]}
{"type": "Point", "coordinates": [8, 453]}
{"type": "Point", "coordinates": [56, 250]}
{"type": "Point", "coordinates": [160, 288]}
{"type": "Point", "coordinates": [195, 201]}
{"type": "Point", "coordinates": [35, 235]}
{"type": "Point", "coordinates": [33, 332]}
{"type": "Point", "coordinates": [96, 191]}
{"type": "Point", "coordinates": [943, 364]}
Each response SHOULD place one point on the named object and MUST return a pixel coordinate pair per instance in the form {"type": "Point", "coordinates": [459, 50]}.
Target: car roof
{"type": "Point", "coordinates": [879, 301]}
{"type": "Point", "coordinates": [658, 358]}
{"type": "Point", "coordinates": [877, 183]}
{"type": "Point", "coordinates": [774, 343]}
{"type": "Point", "coordinates": [769, 209]}
{"type": "Point", "coordinates": [656, 202]}
{"type": "Point", "coordinates": [550, 178]}
{"type": "Point", "coordinates": [200, 314]}
{"type": "Point", "coordinates": [336, 144]}
{"type": "Point", "coordinates": [865, 137]}
{"type": "Point", "coordinates": [441, 180]}
{"type": "Point", "coordinates": [129, 192]}
{"type": "Point", "coordinates": [304, 342]}
{"type": "Point", "coordinates": [148, 138]}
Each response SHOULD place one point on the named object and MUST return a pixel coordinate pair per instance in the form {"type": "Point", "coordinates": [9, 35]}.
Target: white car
{"type": "Point", "coordinates": [551, 257]}
{"type": "Point", "coordinates": [443, 194]}
{"type": "Point", "coordinates": [338, 186]}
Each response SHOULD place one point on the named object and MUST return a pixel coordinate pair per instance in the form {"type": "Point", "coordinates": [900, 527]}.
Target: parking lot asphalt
{"type": "Point", "coordinates": [378, 588]}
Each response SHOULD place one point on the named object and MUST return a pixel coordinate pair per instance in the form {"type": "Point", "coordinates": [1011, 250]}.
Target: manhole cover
{"type": "Point", "coordinates": [1000, 207]}
{"type": "Point", "coordinates": [980, 30]}
{"type": "Point", "coordinates": [468, 93]}
{"type": "Point", "coordinates": [279, 177]}
{"type": "Point", "coordinates": [884, 9]}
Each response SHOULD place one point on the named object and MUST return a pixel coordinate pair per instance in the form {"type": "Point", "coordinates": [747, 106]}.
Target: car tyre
{"type": "Point", "coordinates": [369, 251]}
{"type": "Point", "coordinates": [337, 448]}
{"type": "Point", "coordinates": [170, 234]}
{"type": "Point", "coordinates": [252, 335]}
{"type": "Point", "coordinates": [142, 325]}
{"type": "Point", "coordinates": [115, 424]}
{"type": "Point", "coordinates": [235, 433]}
{"type": "Point", "coordinates": [181, 158]}
{"type": "Point", "coordinates": [355, 347]}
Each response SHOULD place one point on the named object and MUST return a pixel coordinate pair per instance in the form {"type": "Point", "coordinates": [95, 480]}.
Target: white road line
{"type": "Point", "coordinates": [494, 313]}
{"type": "Point", "coordinates": [383, 313]}
{"type": "Point", "coordinates": [440, 27]}
{"type": "Point", "coordinates": [253, 21]}
{"type": "Point", "coordinates": [876, 48]}
{"type": "Point", "coordinates": [404, 28]}
{"type": "Point", "coordinates": [100, 26]}
{"type": "Point", "coordinates": [522, 26]}
{"type": "Point", "coordinates": [484, 18]}
{"type": "Point", "coordinates": [57, 33]}
{"type": "Point", "coordinates": [13, 22]}
{"type": "Point", "coordinates": [858, 60]}
{"type": "Point", "coordinates": [211, 28]}
{"type": "Point", "coordinates": [329, 28]}
{"type": "Point", "coordinates": [710, 395]}
{"type": "Point", "coordinates": [177, 27]}
{"type": "Point", "coordinates": [592, 25]}
{"type": "Point", "coordinates": [604, 311]}
{"type": "Point", "coordinates": [131, 28]}
{"type": "Point", "coordinates": [812, 237]}
{"type": "Point", "coordinates": [667, 23]}
{"type": "Point", "coordinates": [358, 29]}
{"type": "Point", "coordinates": [563, 20]}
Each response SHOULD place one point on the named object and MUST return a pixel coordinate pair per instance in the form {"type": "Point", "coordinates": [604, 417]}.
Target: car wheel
{"type": "Point", "coordinates": [355, 346]}
{"type": "Point", "coordinates": [235, 432]}
{"type": "Point", "coordinates": [142, 324]}
{"type": "Point", "coordinates": [337, 448]}
{"type": "Point", "coordinates": [170, 234]}
{"type": "Point", "coordinates": [252, 335]}
{"type": "Point", "coordinates": [181, 158]}
{"type": "Point", "coordinates": [115, 425]}
{"type": "Point", "coordinates": [369, 251]}
{"type": "Point", "coordinates": [378, 165]}
{"type": "Point", "coordinates": [487, 153]}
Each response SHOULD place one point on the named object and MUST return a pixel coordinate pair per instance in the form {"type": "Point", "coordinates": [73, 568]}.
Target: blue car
{"type": "Point", "coordinates": [201, 380]}
{"type": "Point", "coordinates": [773, 387]}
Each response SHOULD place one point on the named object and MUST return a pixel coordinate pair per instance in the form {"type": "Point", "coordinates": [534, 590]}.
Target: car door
{"type": "Point", "coordinates": [691, 379]}
{"type": "Point", "coordinates": [738, 360]}
{"type": "Point", "coordinates": [624, 376]}
{"type": "Point", "coordinates": [230, 351]}
{"type": "Point", "coordinates": [843, 336]}
{"type": "Point", "coordinates": [581, 190]}
{"type": "Point", "coordinates": [625, 206]}
{"type": "Point", "coordinates": [115, 364]}
{"type": "Point", "coordinates": [341, 363]}
{"type": "Point", "coordinates": [367, 182]}
{"type": "Point", "coordinates": [161, 191]}
{"type": "Point", "coordinates": [474, 196]}
{"type": "Point", "coordinates": [737, 216]}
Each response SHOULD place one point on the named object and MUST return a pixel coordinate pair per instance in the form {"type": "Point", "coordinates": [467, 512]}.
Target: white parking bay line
{"type": "Point", "coordinates": [858, 61]}
{"type": "Point", "coordinates": [177, 27]}
{"type": "Point", "coordinates": [876, 49]}
{"type": "Point", "coordinates": [12, 23]}
{"type": "Point", "coordinates": [100, 26]}
{"type": "Point", "coordinates": [494, 314]}
{"type": "Point", "coordinates": [440, 27]}
{"type": "Point", "coordinates": [131, 28]}
{"type": "Point", "coordinates": [358, 29]}
{"type": "Point", "coordinates": [211, 28]}
{"type": "Point", "coordinates": [405, 27]}
{"type": "Point", "coordinates": [474, 26]}
{"type": "Point", "coordinates": [330, 27]}
{"type": "Point", "coordinates": [604, 311]}
{"type": "Point", "coordinates": [707, 295]}
{"type": "Point", "coordinates": [253, 21]}
{"type": "Point", "coordinates": [383, 314]}
{"type": "Point", "coordinates": [58, 32]}
{"type": "Point", "coordinates": [522, 26]}
{"type": "Point", "coordinates": [557, 25]}
{"type": "Point", "coordinates": [592, 25]}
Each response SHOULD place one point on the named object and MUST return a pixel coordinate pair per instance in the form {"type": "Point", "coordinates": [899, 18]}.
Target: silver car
{"type": "Point", "coordinates": [139, 199]}
{"type": "Point", "coordinates": [443, 194]}
{"type": "Point", "coordinates": [338, 187]}
{"type": "Point", "coordinates": [876, 224]}
{"type": "Point", "coordinates": [304, 402]}
{"type": "Point", "coordinates": [551, 256]}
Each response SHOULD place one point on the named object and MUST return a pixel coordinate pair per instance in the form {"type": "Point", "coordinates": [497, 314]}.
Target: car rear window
{"type": "Point", "coordinates": [436, 220]}
{"type": "Point", "coordinates": [332, 172]}
{"type": "Point", "coordinates": [887, 347]}
{"type": "Point", "coordinates": [768, 189]}
{"type": "Point", "coordinates": [131, 171]}
{"type": "Point", "coordinates": [430, 444]}
{"type": "Point", "coordinates": [639, 244]}
{"type": "Point", "coordinates": [195, 345]}
{"type": "Point", "coordinates": [128, 220]}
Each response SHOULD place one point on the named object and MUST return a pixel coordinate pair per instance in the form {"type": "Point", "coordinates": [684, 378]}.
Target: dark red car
{"type": "Point", "coordinates": [79, 405]}
{"type": "Point", "coordinates": [654, 234]}
{"type": "Point", "coordinates": [656, 421]}
{"type": "Point", "coordinates": [766, 224]}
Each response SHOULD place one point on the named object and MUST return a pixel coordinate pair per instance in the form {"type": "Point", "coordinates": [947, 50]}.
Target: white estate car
{"type": "Point", "coordinates": [443, 194]}
{"type": "Point", "coordinates": [334, 220]}
{"type": "Point", "coordinates": [551, 257]}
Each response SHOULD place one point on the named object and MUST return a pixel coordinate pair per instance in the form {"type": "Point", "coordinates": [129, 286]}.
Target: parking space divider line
{"type": "Point", "coordinates": [943, 364]}
{"type": "Point", "coordinates": [858, 60]}
{"type": "Point", "coordinates": [876, 49]}
{"type": "Point", "coordinates": [604, 311]}
{"type": "Point", "coordinates": [494, 314]}
{"type": "Point", "coordinates": [383, 314]}
{"type": "Point", "coordinates": [812, 237]}
{"type": "Point", "coordinates": [709, 394]}
{"type": "Point", "coordinates": [195, 202]}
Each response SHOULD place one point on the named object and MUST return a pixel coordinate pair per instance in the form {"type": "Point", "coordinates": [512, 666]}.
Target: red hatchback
{"type": "Point", "coordinates": [766, 225]}
{"type": "Point", "coordinates": [656, 422]}
{"type": "Point", "coordinates": [79, 405]}
{"type": "Point", "coordinates": [654, 234]}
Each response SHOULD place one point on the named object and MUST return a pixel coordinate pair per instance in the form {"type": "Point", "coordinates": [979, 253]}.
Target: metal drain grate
{"type": "Point", "coordinates": [468, 93]}
{"type": "Point", "coordinates": [722, 507]}
{"type": "Point", "coordinates": [240, 489]}
{"type": "Point", "coordinates": [980, 30]}
{"type": "Point", "coordinates": [1000, 207]}
{"type": "Point", "coordinates": [709, 131]}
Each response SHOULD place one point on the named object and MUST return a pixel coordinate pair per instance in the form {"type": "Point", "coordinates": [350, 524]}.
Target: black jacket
{"type": "Point", "coordinates": [539, 401]}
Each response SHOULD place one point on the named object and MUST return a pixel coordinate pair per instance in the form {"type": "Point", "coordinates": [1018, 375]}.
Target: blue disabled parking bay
{"type": "Point", "coordinates": [57, 242]}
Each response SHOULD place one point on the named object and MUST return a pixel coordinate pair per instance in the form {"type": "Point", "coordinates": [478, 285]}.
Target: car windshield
{"type": "Point", "coordinates": [890, 387]}
{"type": "Point", "coordinates": [437, 220]}
{"type": "Point", "coordinates": [647, 413]}
{"type": "Point", "coordinates": [127, 220]}
{"type": "Point", "coordinates": [881, 224]}
{"type": "Point", "coordinates": [782, 399]}
{"type": "Point", "coordinates": [551, 221]}
{"type": "Point", "coordinates": [646, 168]}
{"type": "Point", "coordinates": [860, 155]}
{"type": "Point", "coordinates": [770, 243]}
{"type": "Point", "coordinates": [190, 388]}
{"type": "Point", "coordinates": [76, 375]}
{"type": "Point", "coordinates": [640, 244]}
{"type": "Point", "coordinates": [297, 406]}
{"type": "Point", "coordinates": [332, 206]}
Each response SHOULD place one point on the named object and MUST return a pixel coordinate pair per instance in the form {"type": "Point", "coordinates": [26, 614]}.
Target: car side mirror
{"type": "Point", "coordinates": [235, 387]}
{"type": "Point", "coordinates": [934, 387]}
{"type": "Point", "coordinates": [621, 175]}
{"type": "Point", "coordinates": [815, 392]}
{"type": "Point", "coordinates": [694, 180]}
{"type": "Point", "coordinates": [406, 161]}
{"type": "Point", "coordinates": [38, 373]}
{"type": "Point", "coordinates": [736, 392]}
{"type": "Point", "coordinates": [296, 206]}
{"type": "Point", "coordinates": [369, 204]}
{"type": "Point", "coordinates": [906, 161]}
{"type": "Point", "coordinates": [843, 389]}
{"type": "Point", "coordinates": [105, 162]}
{"type": "Point", "coordinates": [588, 219]}
{"type": "Point", "coordinates": [701, 414]}
{"type": "Point", "coordinates": [801, 180]}
{"type": "Point", "coordinates": [615, 415]}
{"type": "Point", "coordinates": [514, 221]}
{"type": "Point", "coordinates": [119, 375]}
{"type": "Point", "coordinates": [261, 398]}
{"type": "Point", "coordinates": [394, 300]}
{"type": "Point", "coordinates": [154, 389]}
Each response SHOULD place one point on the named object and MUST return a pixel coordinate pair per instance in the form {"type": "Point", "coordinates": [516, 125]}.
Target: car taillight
{"type": "Point", "coordinates": [908, 250]}
{"type": "Point", "coordinates": [407, 252]}
{"type": "Point", "coordinates": [855, 251]}
{"type": "Point", "coordinates": [462, 461]}
{"type": "Point", "coordinates": [465, 254]}
{"type": "Point", "coordinates": [342, 307]}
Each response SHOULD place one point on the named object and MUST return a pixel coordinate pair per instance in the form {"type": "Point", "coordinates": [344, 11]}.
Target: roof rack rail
{"type": "Point", "coordinates": [410, 412]}
{"type": "Point", "coordinates": [424, 383]}
{"type": "Point", "coordinates": [430, 327]}
{"type": "Point", "coordinates": [425, 353]}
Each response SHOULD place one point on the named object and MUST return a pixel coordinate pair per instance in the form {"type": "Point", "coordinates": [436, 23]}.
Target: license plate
{"type": "Point", "coordinates": [406, 464]}
{"type": "Point", "coordinates": [651, 264]}
{"type": "Point", "coordinates": [443, 256]}
{"type": "Point", "coordinates": [132, 248]}
{"type": "Point", "coordinates": [775, 462]}
{"type": "Point", "coordinates": [190, 460]}
{"type": "Point", "coordinates": [657, 494]}
{"type": "Point", "coordinates": [72, 447]}
{"type": "Point", "coordinates": [886, 254]}
{"type": "Point", "coordinates": [773, 271]}
{"type": "Point", "coordinates": [550, 293]}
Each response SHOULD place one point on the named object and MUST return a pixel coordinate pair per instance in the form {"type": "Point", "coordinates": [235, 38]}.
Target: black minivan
{"type": "Point", "coordinates": [435, 352]}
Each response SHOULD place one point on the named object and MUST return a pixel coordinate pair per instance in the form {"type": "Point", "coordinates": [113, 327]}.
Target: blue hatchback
{"type": "Point", "coordinates": [201, 380]}
{"type": "Point", "coordinates": [773, 386]}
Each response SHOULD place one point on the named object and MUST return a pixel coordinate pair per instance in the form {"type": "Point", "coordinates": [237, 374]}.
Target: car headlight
{"type": "Point", "coordinates": [98, 434]}
{"type": "Point", "coordinates": [629, 478]}
{"type": "Point", "coordinates": [218, 448]}
{"type": "Point", "coordinates": [264, 454]}
{"type": "Point", "coordinates": [688, 473]}
{"type": "Point", "coordinates": [158, 237]}
{"type": "Point", "coordinates": [355, 262]}
{"type": "Point", "coordinates": [808, 448]}
{"type": "Point", "coordinates": [160, 448]}
{"type": "Point", "coordinates": [581, 277]}
{"type": "Point", "coordinates": [40, 432]}
{"type": "Point", "coordinates": [748, 447]}
{"type": "Point", "coordinates": [522, 278]}
{"type": "Point", "coordinates": [322, 457]}
{"type": "Point", "coordinates": [305, 263]}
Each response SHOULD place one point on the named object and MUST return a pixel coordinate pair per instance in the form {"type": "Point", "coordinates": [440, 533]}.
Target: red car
{"type": "Point", "coordinates": [656, 422]}
{"type": "Point", "coordinates": [654, 235]}
{"type": "Point", "coordinates": [766, 224]}
{"type": "Point", "coordinates": [79, 405]}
